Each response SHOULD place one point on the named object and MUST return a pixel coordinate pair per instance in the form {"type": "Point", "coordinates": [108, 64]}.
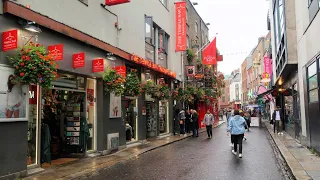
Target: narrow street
{"type": "Point", "coordinates": [202, 159]}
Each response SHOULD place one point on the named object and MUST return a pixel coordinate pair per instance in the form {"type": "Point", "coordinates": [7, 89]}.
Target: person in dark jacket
{"type": "Point", "coordinates": [277, 118]}
{"type": "Point", "coordinates": [195, 118]}
{"type": "Point", "coordinates": [188, 117]}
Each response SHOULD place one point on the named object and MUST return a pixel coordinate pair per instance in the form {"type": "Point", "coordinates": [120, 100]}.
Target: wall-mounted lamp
{"type": "Point", "coordinates": [111, 57]}
{"type": "Point", "coordinates": [33, 27]}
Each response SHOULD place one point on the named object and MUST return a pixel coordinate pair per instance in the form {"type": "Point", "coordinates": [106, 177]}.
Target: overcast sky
{"type": "Point", "coordinates": [239, 24]}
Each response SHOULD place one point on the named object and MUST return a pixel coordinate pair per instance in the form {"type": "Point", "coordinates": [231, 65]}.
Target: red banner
{"type": "Point", "coordinates": [97, 65]}
{"type": "Point", "coordinates": [9, 40]}
{"type": "Point", "coordinates": [181, 26]}
{"type": "Point", "coordinates": [121, 70]}
{"type": "Point", "coordinates": [116, 2]}
{"type": "Point", "coordinates": [78, 60]}
{"type": "Point", "coordinates": [56, 51]}
{"type": "Point", "coordinates": [209, 54]}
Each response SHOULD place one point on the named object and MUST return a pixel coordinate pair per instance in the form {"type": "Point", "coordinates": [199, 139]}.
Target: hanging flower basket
{"type": "Point", "coordinates": [164, 91]}
{"type": "Point", "coordinates": [113, 82]}
{"type": "Point", "coordinates": [178, 94]}
{"type": "Point", "coordinates": [200, 94]}
{"type": "Point", "coordinates": [150, 89]}
{"type": "Point", "coordinates": [133, 85]}
{"type": "Point", "coordinates": [33, 65]}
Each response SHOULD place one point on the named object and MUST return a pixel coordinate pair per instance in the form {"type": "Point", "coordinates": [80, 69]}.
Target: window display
{"type": "Point", "coordinates": [32, 126]}
{"type": "Point", "coordinates": [131, 119]}
{"type": "Point", "coordinates": [163, 117]}
{"type": "Point", "coordinates": [91, 97]}
{"type": "Point", "coordinates": [151, 115]}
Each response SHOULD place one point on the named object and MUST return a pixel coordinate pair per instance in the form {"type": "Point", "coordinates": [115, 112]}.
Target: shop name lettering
{"type": "Point", "coordinates": [31, 94]}
{"type": "Point", "coordinates": [179, 24]}
{"type": "Point", "coordinates": [9, 43]}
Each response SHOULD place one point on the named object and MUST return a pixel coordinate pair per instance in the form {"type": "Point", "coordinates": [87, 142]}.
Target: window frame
{"type": "Point", "coordinates": [196, 26]}
{"type": "Point", "coordinates": [309, 76]}
{"type": "Point", "coordinates": [150, 40]}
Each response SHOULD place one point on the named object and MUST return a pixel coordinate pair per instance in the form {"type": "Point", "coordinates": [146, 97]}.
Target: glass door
{"type": "Point", "coordinates": [163, 117]}
{"type": "Point", "coordinates": [131, 119]}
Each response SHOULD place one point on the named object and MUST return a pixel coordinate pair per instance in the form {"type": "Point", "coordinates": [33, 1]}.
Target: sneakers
{"type": "Point", "coordinates": [231, 145]}
{"type": "Point", "coordinates": [233, 152]}
{"type": "Point", "coordinates": [240, 155]}
{"type": "Point", "coordinates": [281, 133]}
{"type": "Point", "coordinates": [245, 138]}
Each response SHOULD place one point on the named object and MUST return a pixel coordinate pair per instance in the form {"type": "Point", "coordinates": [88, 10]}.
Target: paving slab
{"type": "Point", "coordinates": [303, 164]}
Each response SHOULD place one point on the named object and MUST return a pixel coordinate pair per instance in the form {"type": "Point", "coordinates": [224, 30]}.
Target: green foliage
{"type": "Point", "coordinates": [113, 82]}
{"type": "Point", "coordinates": [133, 84]}
{"type": "Point", "coordinates": [190, 55]}
{"type": "Point", "coordinates": [33, 65]}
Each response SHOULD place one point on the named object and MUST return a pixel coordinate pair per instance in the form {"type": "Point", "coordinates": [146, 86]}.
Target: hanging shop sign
{"type": "Point", "coordinates": [181, 26]}
{"type": "Point", "coordinates": [9, 40]}
{"type": "Point", "coordinates": [116, 2]}
{"type": "Point", "coordinates": [32, 94]}
{"type": "Point", "coordinates": [56, 51]}
{"type": "Point", "coordinates": [98, 65]}
{"type": "Point", "coordinates": [268, 65]}
{"type": "Point", "coordinates": [220, 57]}
{"type": "Point", "coordinates": [122, 70]}
{"type": "Point", "coordinates": [209, 54]}
{"type": "Point", "coordinates": [151, 65]}
{"type": "Point", "coordinates": [190, 70]}
{"type": "Point", "coordinates": [78, 60]}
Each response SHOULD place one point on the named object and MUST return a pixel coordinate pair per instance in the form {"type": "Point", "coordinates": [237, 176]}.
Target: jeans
{"type": "Point", "coordinates": [182, 129]}
{"type": "Point", "coordinates": [237, 139]}
{"type": "Point", "coordinates": [195, 132]}
{"type": "Point", "coordinates": [209, 130]}
{"type": "Point", "coordinates": [279, 126]}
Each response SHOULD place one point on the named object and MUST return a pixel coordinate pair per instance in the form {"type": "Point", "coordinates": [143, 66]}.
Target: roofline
{"type": "Point", "coordinates": [198, 14]}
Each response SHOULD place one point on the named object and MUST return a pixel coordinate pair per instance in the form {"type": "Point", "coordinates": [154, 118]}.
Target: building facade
{"type": "Point", "coordinates": [244, 87]}
{"type": "Point", "coordinates": [235, 89]}
{"type": "Point", "coordinates": [224, 101]}
{"type": "Point", "coordinates": [285, 65]}
{"type": "Point", "coordinates": [307, 27]}
{"type": "Point", "coordinates": [123, 35]}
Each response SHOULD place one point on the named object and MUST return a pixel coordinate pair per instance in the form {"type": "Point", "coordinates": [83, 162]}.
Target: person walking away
{"type": "Point", "coordinates": [277, 118]}
{"type": "Point", "coordinates": [246, 128]}
{"type": "Point", "coordinates": [237, 126]}
{"type": "Point", "coordinates": [208, 121]}
{"type": "Point", "coordinates": [182, 118]}
{"type": "Point", "coordinates": [187, 124]}
{"type": "Point", "coordinates": [195, 117]}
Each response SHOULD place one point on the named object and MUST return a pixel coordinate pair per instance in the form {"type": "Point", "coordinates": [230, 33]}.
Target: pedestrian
{"type": "Point", "coordinates": [182, 118]}
{"type": "Point", "coordinates": [176, 118]}
{"type": "Point", "coordinates": [277, 118]}
{"type": "Point", "coordinates": [208, 120]}
{"type": "Point", "coordinates": [229, 115]}
{"type": "Point", "coordinates": [221, 114]}
{"type": "Point", "coordinates": [195, 123]}
{"type": "Point", "coordinates": [242, 114]}
{"type": "Point", "coordinates": [248, 119]}
{"type": "Point", "coordinates": [188, 117]}
{"type": "Point", "coordinates": [237, 126]}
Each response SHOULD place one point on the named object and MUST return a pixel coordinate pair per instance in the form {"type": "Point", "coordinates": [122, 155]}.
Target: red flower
{"type": "Point", "coordinates": [28, 58]}
{"type": "Point", "coordinates": [22, 64]}
{"type": "Point", "coordinates": [17, 67]}
{"type": "Point", "coordinates": [23, 57]}
{"type": "Point", "coordinates": [22, 74]}
{"type": "Point", "coordinates": [37, 45]}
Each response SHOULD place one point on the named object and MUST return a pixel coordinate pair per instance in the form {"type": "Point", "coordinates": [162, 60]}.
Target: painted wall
{"type": "Point", "coordinates": [99, 23]}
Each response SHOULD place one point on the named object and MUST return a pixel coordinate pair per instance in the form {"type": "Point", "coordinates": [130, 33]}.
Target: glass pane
{"type": "Point", "coordinates": [148, 27]}
{"type": "Point", "coordinates": [91, 111]}
{"type": "Point", "coordinates": [163, 119]}
{"type": "Point", "coordinates": [313, 95]}
{"type": "Point", "coordinates": [131, 106]}
{"type": "Point", "coordinates": [313, 83]}
{"type": "Point", "coordinates": [312, 69]}
{"type": "Point", "coordinates": [32, 125]}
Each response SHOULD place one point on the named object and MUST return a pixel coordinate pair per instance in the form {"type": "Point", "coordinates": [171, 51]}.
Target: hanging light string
{"type": "Point", "coordinates": [234, 53]}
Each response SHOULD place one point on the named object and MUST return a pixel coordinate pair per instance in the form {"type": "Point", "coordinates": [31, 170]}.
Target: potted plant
{"type": "Point", "coordinates": [34, 65]}
{"type": "Point", "coordinates": [113, 82]}
{"type": "Point", "coordinates": [133, 84]}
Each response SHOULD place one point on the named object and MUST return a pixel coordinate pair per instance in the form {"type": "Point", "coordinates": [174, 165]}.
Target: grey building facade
{"type": "Point", "coordinates": [102, 31]}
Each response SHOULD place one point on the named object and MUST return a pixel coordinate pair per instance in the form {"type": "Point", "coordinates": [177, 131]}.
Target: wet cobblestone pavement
{"type": "Point", "coordinates": [202, 159]}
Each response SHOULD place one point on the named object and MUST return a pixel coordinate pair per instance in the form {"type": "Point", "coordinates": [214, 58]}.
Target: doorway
{"type": "Point", "coordinates": [131, 118]}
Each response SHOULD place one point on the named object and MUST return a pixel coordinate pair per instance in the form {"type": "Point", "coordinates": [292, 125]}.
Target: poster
{"type": "Point", "coordinates": [115, 106]}
{"type": "Point", "coordinates": [13, 97]}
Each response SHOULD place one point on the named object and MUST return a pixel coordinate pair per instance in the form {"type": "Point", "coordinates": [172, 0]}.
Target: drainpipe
{"type": "Point", "coordinates": [116, 24]}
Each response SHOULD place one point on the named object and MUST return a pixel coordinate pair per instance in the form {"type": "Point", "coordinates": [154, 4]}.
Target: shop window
{"type": "Point", "coordinates": [163, 117]}
{"type": "Point", "coordinates": [149, 30]}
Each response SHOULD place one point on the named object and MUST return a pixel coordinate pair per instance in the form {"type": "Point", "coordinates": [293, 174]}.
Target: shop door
{"type": "Point", "coordinates": [314, 120]}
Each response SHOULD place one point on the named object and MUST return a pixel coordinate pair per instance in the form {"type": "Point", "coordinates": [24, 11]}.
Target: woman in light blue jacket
{"type": "Point", "coordinates": [237, 126]}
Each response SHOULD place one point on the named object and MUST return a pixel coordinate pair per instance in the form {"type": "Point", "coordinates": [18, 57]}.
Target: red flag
{"type": "Point", "coordinates": [209, 54]}
{"type": "Point", "coordinates": [220, 58]}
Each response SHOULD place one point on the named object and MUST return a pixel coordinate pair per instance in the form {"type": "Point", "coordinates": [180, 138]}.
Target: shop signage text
{"type": "Point", "coordinates": [116, 2]}
{"type": "Point", "coordinates": [121, 70]}
{"type": "Point", "coordinates": [98, 65]}
{"type": "Point", "coordinates": [181, 26]}
{"type": "Point", "coordinates": [9, 40]}
{"type": "Point", "coordinates": [32, 94]}
{"type": "Point", "coordinates": [190, 70]}
{"type": "Point", "coordinates": [78, 60]}
{"type": "Point", "coordinates": [268, 65]}
{"type": "Point", "coordinates": [56, 51]}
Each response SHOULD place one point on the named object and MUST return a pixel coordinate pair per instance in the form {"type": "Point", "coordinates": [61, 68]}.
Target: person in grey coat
{"type": "Point", "coordinates": [182, 120]}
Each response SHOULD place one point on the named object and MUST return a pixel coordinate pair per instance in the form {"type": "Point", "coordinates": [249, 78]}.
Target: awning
{"type": "Point", "coordinates": [263, 92]}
